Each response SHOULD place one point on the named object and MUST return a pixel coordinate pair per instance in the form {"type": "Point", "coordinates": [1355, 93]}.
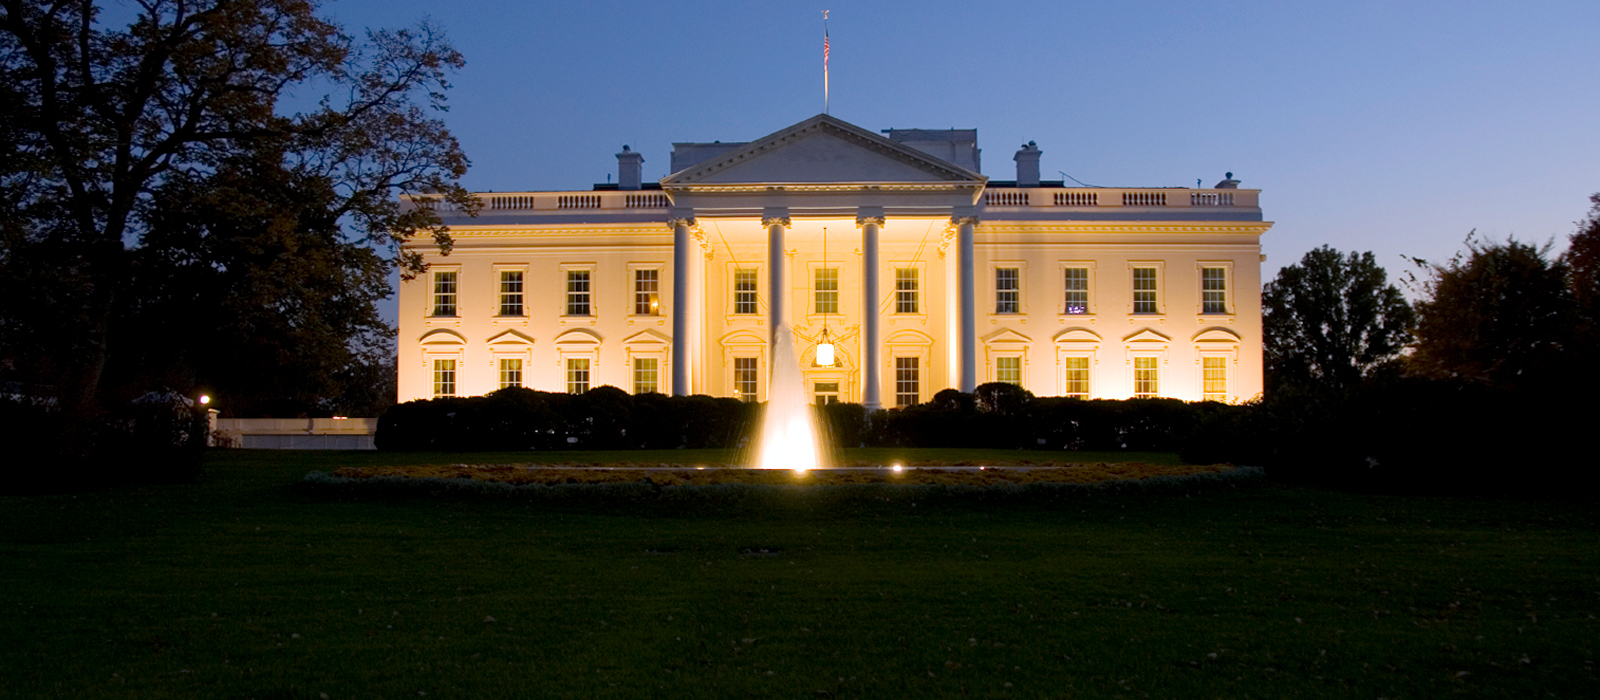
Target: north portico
{"type": "Point", "coordinates": [922, 272]}
{"type": "Point", "coordinates": [822, 171]}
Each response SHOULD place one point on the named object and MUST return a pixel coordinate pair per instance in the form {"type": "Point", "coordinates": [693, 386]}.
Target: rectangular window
{"type": "Point", "coordinates": [577, 375]}
{"type": "Point", "coordinates": [905, 290]}
{"type": "Point", "coordinates": [1008, 370]}
{"type": "Point", "coordinates": [444, 378]}
{"type": "Point", "coordinates": [745, 372]}
{"type": "Point", "coordinates": [744, 291]}
{"type": "Point", "coordinates": [827, 290]}
{"type": "Point", "coordinates": [444, 293]}
{"type": "Point", "coordinates": [1145, 384]}
{"type": "Point", "coordinates": [1144, 290]}
{"type": "Point", "coordinates": [510, 372]}
{"type": "Point", "coordinates": [646, 377]}
{"type": "Point", "coordinates": [578, 293]}
{"type": "Point", "coordinates": [1007, 289]}
{"type": "Point", "coordinates": [1213, 290]}
{"type": "Point", "coordinates": [1077, 376]}
{"type": "Point", "coordinates": [1076, 280]}
{"type": "Point", "coordinates": [510, 292]}
{"type": "Point", "coordinates": [826, 393]}
{"type": "Point", "coordinates": [646, 292]}
{"type": "Point", "coordinates": [1216, 378]}
{"type": "Point", "coordinates": [907, 381]}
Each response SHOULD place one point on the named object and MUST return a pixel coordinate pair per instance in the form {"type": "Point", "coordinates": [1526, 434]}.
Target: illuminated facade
{"type": "Point", "coordinates": [924, 274]}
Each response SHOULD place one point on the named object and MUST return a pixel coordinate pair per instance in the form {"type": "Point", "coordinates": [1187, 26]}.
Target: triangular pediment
{"type": "Point", "coordinates": [821, 149]}
{"type": "Point", "coordinates": [1147, 336]}
{"type": "Point", "coordinates": [1006, 336]}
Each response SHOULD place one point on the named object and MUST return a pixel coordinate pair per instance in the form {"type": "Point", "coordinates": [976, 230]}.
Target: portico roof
{"type": "Point", "coordinates": [823, 166]}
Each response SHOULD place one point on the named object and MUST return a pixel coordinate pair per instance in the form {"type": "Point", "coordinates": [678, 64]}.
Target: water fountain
{"type": "Point", "coordinates": [789, 437]}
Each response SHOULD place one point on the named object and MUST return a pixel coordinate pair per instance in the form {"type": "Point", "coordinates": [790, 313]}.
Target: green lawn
{"type": "Point", "coordinates": [247, 586]}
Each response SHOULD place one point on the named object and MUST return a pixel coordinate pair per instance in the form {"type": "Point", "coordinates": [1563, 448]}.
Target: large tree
{"type": "Point", "coordinates": [187, 101]}
{"type": "Point", "coordinates": [1583, 260]}
{"type": "Point", "coordinates": [1331, 319]}
{"type": "Point", "coordinates": [1501, 314]}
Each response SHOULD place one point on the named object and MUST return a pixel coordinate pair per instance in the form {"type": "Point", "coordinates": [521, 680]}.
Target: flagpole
{"type": "Point", "coordinates": [824, 61]}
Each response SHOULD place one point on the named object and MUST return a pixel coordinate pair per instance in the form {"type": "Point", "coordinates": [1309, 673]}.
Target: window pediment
{"type": "Point", "coordinates": [578, 337]}
{"type": "Point", "coordinates": [511, 338]}
{"type": "Point", "coordinates": [442, 336]}
{"type": "Point", "coordinates": [1077, 335]}
{"type": "Point", "coordinates": [1217, 335]}
{"type": "Point", "coordinates": [1147, 336]}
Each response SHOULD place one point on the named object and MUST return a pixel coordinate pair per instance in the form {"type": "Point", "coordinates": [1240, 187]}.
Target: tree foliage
{"type": "Point", "coordinates": [153, 172]}
{"type": "Point", "coordinates": [1500, 314]}
{"type": "Point", "coordinates": [1330, 320]}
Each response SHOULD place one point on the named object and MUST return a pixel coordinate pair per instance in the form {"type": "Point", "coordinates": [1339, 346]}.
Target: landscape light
{"type": "Point", "coordinates": [204, 399]}
{"type": "Point", "coordinates": [897, 468]}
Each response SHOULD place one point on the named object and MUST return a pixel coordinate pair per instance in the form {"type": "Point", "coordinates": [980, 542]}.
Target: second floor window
{"type": "Point", "coordinates": [1213, 290]}
{"type": "Point", "coordinates": [827, 290]}
{"type": "Point", "coordinates": [1076, 281]}
{"type": "Point", "coordinates": [511, 293]}
{"type": "Point", "coordinates": [1007, 289]}
{"type": "Point", "coordinates": [744, 291]}
{"type": "Point", "coordinates": [444, 293]}
{"type": "Point", "coordinates": [578, 293]}
{"type": "Point", "coordinates": [905, 290]}
{"type": "Point", "coordinates": [1144, 290]}
{"type": "Point", "coordinates": [646, 292]}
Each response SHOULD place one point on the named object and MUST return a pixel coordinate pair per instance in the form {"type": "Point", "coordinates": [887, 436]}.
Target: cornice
{"type": "Point", "coordinates": [826, 187]}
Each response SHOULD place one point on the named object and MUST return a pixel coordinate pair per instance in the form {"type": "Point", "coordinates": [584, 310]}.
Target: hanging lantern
{"type": "Point", "coordinates": [825, 350]}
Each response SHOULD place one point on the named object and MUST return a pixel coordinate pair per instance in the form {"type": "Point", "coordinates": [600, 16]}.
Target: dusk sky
{"type": "Point", "coordinates": [1395, 127]}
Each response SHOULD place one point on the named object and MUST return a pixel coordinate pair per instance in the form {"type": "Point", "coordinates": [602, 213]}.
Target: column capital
{"type": "Point", "coordinates": [964, 219]}
{"type": "Point", "coordinates": [684, 221]}
{"type": "Point", "coordinates": [864, 220]}
{"type": "Point", "coordinates": [775, 216]}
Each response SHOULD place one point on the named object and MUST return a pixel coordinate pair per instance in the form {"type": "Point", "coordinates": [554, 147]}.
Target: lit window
{"type": "Point", "coordinates": [1076, 280]}
{"type": "Point", "coordinates": [827, 290]}
{"type": "Point", "coordinates": [577, 375]}
{"type": "Point", "coordinates": [826, 393]}
{"type": "Point", "coordinates": [646, 292]}
{"type": "Point", "coordinates": [1144, 290]}
{"type": "Point", "coordinates": [745, 386]}
{"type": "Point", "coordinates": [905, 290]}
{"type": "Point", "coordinates": [1077, 376]}
{"type": "Point", "coordinates": [511, 293]}
{"type": "Point", "coordinates": [1007, 288]}
{"type": "Point", "coordinates": [510, 372]}
{"type": "Point", "coordinates": [444, 377]}
{"type": "Point", "coordinates": [1216, 378]}
{"type": "Point", "coordinates": [444, 293]}
{"type": "Point", "coordinates": [578, 293]}
{"type": "Point", "coordinates": [907, 381]}
{"type": "Point", "coordinates": [744, 291]}
{"type": "Point", "coordinates": [1008, 370]}
{"type": "Point", "coordinates": [1145, 379]}
{"type": "Point", "coordinates": [1213, 290]}
{"type": "Point", "coordinates": [645, 375]}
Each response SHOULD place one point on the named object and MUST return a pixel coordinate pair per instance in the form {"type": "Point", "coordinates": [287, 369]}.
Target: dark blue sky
{"type": "Point", "coordinates": [1395, 127]}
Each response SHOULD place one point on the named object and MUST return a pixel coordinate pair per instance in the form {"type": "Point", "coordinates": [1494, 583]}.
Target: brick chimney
{"type": "Point", "coordinates": [630, 169]}
{"type": "Point", "coordinates": [1028, 165]}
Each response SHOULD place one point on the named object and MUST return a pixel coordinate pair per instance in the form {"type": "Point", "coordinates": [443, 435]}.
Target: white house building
{"type": "Point", "coordinates": [920, 272]}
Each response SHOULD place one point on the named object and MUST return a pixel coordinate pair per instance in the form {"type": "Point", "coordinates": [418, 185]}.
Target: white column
{"type": "Point", "coordinates": [776, 220]}
{"type": "Point", "coordinates": [682, 303]}
{"type": "Point", "coordinates": [969, 318]}
{"type": "Point", "coordinates": [871, 381]}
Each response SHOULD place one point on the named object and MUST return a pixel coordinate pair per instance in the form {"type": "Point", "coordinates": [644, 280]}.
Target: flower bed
{"type": "Point", "coordinates": [716, 474]}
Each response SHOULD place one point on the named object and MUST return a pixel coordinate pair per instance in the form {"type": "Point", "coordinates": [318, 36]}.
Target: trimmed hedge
{"type": "Point", "coordinates": [605, 418]}
{"type": "Point", "coordinates": [996, 416]}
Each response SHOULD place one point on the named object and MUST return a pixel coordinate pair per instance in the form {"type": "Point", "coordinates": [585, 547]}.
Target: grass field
{"type": "Point", "coordinates": [251, 586]}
